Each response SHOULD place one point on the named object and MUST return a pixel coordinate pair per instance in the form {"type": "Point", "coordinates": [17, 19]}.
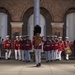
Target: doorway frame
{"type": "Point", "coordinates": [43, 12]}
{"type": "Point", "coordinates": [4, 10]}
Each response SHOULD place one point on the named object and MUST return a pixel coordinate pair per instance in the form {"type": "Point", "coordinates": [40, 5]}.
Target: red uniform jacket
{"type": "Point", "coordinates": [47, 45]}
{"type": "Point", "coordinates": [7, 44]}
{"type": "Point", "coordinates": [17, 45]}
{"type": "Point", "coordinates": [67, 44]}
{"type": "Point", "coordinates": [61, 46]}
{"type": "Point", "coordinates": [22, 44]}
{"type": "Point", "coordinates": [57, 45]}
{"type": "Point", "coordinates": [52, 45]}
{"type": "Point", "coordinates": [39, 45]}
{"type": "Point", "coordinates": [28, 44]}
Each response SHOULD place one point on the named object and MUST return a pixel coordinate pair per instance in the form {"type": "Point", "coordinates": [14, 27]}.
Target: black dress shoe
{"type": "Point", "coordinates": [27, 61]}
{"type": "Point", "coordinates": [39, 64]}
{"type": "Point", "coordinates": [67, 60]}
{"type": "Point", "coordinates": [8, 58]}
{"type": "Point", "coordinates": [34, 60]}
{"type": "Point", "coordinates": [23, 60]}
{"type": "Point", "coordinates": [19, 60]}
{"type": "Point", "coordinates": [51, 60]}
{"type": "Point", "coordinates": [47, 61]}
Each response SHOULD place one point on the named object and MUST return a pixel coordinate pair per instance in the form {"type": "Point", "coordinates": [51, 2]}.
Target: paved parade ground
{"type": "Point", "coordinates": [12, 67]}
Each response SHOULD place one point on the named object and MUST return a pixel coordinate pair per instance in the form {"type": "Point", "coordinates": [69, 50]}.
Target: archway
{"type": "Point", "coordinates": [45, 13]}
{"type": "Point", "coordinates": [69, 25]}
{"type": "Point", "coordinates": [30, 26]}
{"type": "Point", "coordinates": [5, 27]}
{"type": "Point", "coordinates": [68, 17]}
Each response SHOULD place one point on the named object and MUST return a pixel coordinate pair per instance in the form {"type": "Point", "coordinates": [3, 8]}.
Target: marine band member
{"type": "Point", "coordinates": [17, 48]}
{"type": "Point", "coordinates": [37, 42]}
{"type": "Point", "coordinates": [7, 47]}
{"type": "Point", "coordinates": [47, 48]}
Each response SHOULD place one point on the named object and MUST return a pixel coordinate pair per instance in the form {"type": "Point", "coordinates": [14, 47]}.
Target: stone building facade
{"type": "Point", "coordinates": [54, 12]}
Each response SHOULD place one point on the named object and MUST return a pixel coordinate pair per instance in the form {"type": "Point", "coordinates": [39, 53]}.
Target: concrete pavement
{"type": "Point", "coordinates": [12, 67]}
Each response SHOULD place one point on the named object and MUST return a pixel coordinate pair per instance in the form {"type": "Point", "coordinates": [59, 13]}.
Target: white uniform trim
{"type": "Point", "coordinates": [17, 54]}
{"type": "Point", "coordinates": [7, 54]}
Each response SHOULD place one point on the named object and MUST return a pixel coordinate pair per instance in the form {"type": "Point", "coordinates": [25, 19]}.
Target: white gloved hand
{"type": "Point", "coordinates": [40, 44]}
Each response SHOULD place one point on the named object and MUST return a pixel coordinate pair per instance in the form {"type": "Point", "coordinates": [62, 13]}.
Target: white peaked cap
{"type": "Point", "coordinates": [52, 36]}
{"type": "Point", "coordinates": [7, 36]}
{"type": "Point", "coordinates": [60, 37]}
{"type": "Point", "coordinates": [20, 36]}
{"type": "Point", "coordinates": [55, 36]}
{"type": "Point", "coordinates": [17, 36]}
{"type": "Point", "coordinates": [66, 37]}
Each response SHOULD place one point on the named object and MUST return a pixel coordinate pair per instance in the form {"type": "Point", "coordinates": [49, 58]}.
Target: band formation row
{"type": "Point", "coordinates": [52, 47]}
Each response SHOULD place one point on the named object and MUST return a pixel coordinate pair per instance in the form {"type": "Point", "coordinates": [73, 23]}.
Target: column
{"type": "Point", "coordinates": [36, 12]}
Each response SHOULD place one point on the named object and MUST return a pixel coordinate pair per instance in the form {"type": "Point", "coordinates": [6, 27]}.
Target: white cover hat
{"type": "Point", "coordinates": [17, 36]}
{"type": "Point", "coordinates": [60, 37]}
{"type": "Point", "coordinates": [20, 36]}
{"type": "Point", "coordinates": [55, 36]}
{"type": "Point", "coordinates": [7, 36]}
{"type": "Point", "coordinates": [66, 37]}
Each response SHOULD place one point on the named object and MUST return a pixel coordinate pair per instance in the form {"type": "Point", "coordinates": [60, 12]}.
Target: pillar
{"type": "Point", "coordinates": [36, 12]}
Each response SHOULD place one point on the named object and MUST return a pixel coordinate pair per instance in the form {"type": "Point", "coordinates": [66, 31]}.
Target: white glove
{"type": "Point", "coordinates": [40, 44]}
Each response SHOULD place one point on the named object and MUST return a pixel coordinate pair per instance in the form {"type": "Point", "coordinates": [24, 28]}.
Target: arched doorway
{"type": "Point", "coordinates": [68, 22]}
{"type": "Point", "coordinates": [5, 27]}
{"type": "Point", "coordinates": [69, 26]}
{"type": "Point", "coordinates": [30, 26]}
{"type": "Point", "coordinates": [46, 17]}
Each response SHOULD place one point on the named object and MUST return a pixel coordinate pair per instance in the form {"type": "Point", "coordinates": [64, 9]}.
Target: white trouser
{"type": "Point", "coordinates": [0, 53]}
{"type": "Point", "coordinates": [17, 54]}
{"type": "Point", "coordinates": [38, 56]}
{"type": "Point", "coordinates": [67, 56]}
{"type": "Point", "coordinates": [56, 54]}
{"type": "Point", "coordinates": [48, 55]}
{"type": "Point", "coordinates": [42, 48]}
{"type": "Point", "coordinates": [7, 54]}
{"type": "Point", "coordinates": [59, 54]}
{"type": "Point", "coordinates": [23, 55]}
{"type": "Point", "coordinates": [27, 53]}
{"type": "Point", "coordinates": [53, 54]}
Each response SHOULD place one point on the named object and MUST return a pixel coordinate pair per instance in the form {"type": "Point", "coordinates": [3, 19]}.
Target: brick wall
{"type": "Point", "coordinates": [57, 8]}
